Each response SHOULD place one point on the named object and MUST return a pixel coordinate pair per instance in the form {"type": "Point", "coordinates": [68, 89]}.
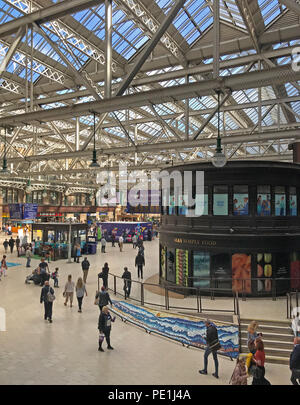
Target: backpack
{"type": "Point", "coordinates": [50, 296]}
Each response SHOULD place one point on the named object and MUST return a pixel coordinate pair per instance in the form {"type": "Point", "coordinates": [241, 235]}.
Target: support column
{"type": "Point", "coordinates": [216, 51]}
{"type": "Point", "coordinates": [108, 48]}
{"type": "Point", "coordinates": [77, 130]}
{"type": "Point", "coordinates": [187, 112]}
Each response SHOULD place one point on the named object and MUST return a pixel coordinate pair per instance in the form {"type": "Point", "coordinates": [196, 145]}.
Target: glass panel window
{"type": "Point", "coordinates": [29, 197]}
{"type": "Point", "coordinates": [263, 201]}
{"type": "Point", "coordinates": [171, 274]}
{"type": "Point", "coordinates": [183, 204]}
{"type": "Point", "coordinates": [241, 272]}
{"type": "Point", "coordinates": [280, 201]}
{"type": "Point", "coordinates": [201, 269]}
{"type": "Point", "coordinates": [9, 196]}
{"type": "Point", "coordinates": [4, 195]}
{"type": "Point", "coordinates": [221, 270]}
{"type": "Point", "coordinates": [220, 200]}
{"type": "Point", "coordinates": [201, 205]}
{"type": "Point", "coordinates": [171, 205]}
{"type": "Point", "coordinates": [293, 201]}
{"type": "Point", "coordinates": [15, 196]}
{"type": "Point", "coordinates": [240, 200]}
{"type": "Point", "coordinates": [182, 267]}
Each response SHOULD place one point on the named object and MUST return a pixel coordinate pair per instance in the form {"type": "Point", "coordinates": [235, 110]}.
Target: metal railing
{"type": "Point", "coordinates": [192, 292]}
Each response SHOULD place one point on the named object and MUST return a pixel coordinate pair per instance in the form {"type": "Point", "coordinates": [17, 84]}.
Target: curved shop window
{"type": "Point", "coordinates": [240, 200]}
{"type": "Point", "coordinates": [293, 201]}
{"type": "Point", "coordinates": [280, 201]}
{"type": "Point", "coordinates": [221, 270]}
{"type": "Point", "coordinates": [201, 269]}
{"type": "Point", "coordinates": [171, 274]}
{"type": "Point", "coordinates": [263, 201]}
{"type": "Point", "coordinates": [220, 200]}
{"type": "Point", "coordinates": [201, 203]}
{"type": "Point", "coordinates": [163, 262]}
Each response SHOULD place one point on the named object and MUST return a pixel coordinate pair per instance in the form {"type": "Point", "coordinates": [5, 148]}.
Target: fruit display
{"type": "Point", "coordinates": [182, 264]}
{"type": "Point", "coordinates": [264, 269]}
{"type": "Point", "coordinates": [163, 262]}
{"type": "Point", "coordinates": [295, 271]}
{"type": "Point", "coordinates": [241, 272]}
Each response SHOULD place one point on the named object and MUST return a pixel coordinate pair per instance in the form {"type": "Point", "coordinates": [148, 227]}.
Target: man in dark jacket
{"type": "Point", "coordinates": [295, 362]}
{"type": "Point", "coordinates": [127, 282]}
{"type": "Point", "coordinates": [5, 244]}
{"type": "Point", "coordinates": [213, 345]}
{"type": "Point", "coordinates": [47, 304]}
{"type": "Point", "coordinates": [104, 326]}
{"type": "Point", "coordinates": [113, 239]}
{"type": "Point", "coordinates": [85, 265]}
{"type": "Point", "coordinates": [140, 262]}
{"type": "Point", "coordinates": [11, 243]}
{"type": "Point", "coordinates": [104, 298]}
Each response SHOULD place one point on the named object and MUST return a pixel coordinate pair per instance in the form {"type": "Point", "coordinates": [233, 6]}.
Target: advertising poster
{"type": "Point", "coordinates": [201, 268]}
{"type": "Point", "coordinates": [171, 274]}
{"type": "Point", "coordinates": [126, 229]}
{"type": "Point", "coordinates": [282, 272]}
{"type": "Point", "coordinates": [265, 272]}
{"type": "Point", "coordinates": [295, 270]}
{"type": "Point", "coordinates": [220, 204]}
{"type": "Point", "coordinates": [171, 205]}
{"type": "Point", "coordinates": [182, 267]}
{"type": "Point", "coordinates": [183, 205]}
{"type": "Point", "coordinates": [240, 204]}
{"type": "Point", "coordinates": [263, 205]}
{"type": "Point", "coordinates": [241, 272]}
{"type": "Point", "coordinates": [163, 252]}
{"type": "Point", "coordinates": [293, 205]}
{"type": "Point", "coordinates": [280, 205]}
{"type": "Point", "coordinates": [221, 269]}
{"type": "Point", "coordinates": [199, 205]}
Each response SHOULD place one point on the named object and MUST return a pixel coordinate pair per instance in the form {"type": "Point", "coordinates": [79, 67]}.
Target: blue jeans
{"type": "Point", "coordinates": [28, 262]}
{"type": "Point", "coordinates": [206, 354]}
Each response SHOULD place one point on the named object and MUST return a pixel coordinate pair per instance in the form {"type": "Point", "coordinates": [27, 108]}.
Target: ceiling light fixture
{"type": "Point", "coordinates": [219, 159]}
{"type": "Point", "coordinates": [94, 163]}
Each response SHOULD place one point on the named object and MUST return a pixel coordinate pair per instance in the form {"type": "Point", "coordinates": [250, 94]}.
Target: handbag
{"type": "Point", "coordinates": [50, 296]}
{"type": "Point", "coordinates": [96, 302]}
{"type": "Point", "coordinates": [256, 372]}
{"type": "Point", "coordinates": [101, 337]}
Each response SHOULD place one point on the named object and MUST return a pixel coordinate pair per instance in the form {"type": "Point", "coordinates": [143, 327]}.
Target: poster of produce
{"type": "Point", "coordinates": [265, 272]}
{"type": "Point", "coordinates": [163, 252]}
{"type": "Point", "coordinates": [295, 270]}
{"type": "Point", "coordinates": [171, 274]}
{"type": "Point", "coordinates": [201, 269]}
{"type": "Point", "coordinates": [241, 272]}
{"type": "Point", "coordinates": [182, 267]}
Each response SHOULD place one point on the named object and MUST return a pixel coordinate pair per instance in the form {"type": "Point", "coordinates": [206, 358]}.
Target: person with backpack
{"type": "Point", "coordinates": [103, 298]}
{"type": "Point", "coordinates": [295, 362]}
{"type": "Point", "coordinates": [213, 345]}
{"type": "Point", "coordinates": [5, 244]}
{"type": "Point", "coordinates": [139, 263]}
{"type": "Point", "coordinates": [104, 275]}
{"type": "Point", "coordinates": [104, 326]}
{"type": "Point", "coordinates": [3, 267]}
{"type": "Point", "coordinates": [47, 296]}
{"type": "Point", "coordinates": [80, 290]}
{"type": "Point", "coordinates": [85, 265]}
{"type": "Point", "coordinates": [11, 243]}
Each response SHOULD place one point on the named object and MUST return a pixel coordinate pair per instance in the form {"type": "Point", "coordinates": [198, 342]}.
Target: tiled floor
{"type": "Point", "coordinates": [65, 352]}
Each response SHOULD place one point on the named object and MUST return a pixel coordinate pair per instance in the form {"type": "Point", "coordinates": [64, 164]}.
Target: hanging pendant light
{"type": "Point", "coordinates": [219, 159]}
{"type": "Point", "coordinates": [28, 188]}
{"type": "Point", "coordinates": [94, 159]}
{"type": "Point", "coordinates": [4, 165]}
{"type": "Point", "coordinates": [44, 193]}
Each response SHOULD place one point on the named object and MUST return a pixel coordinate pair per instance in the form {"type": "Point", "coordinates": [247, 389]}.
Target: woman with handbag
{"type": "Point", "coordinates": [258, 369]}
{"type": "Point", "coordinates": [104, 326]}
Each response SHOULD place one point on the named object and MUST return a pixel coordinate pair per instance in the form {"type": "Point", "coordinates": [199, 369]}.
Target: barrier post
{"type": "Point", "coordinates": [115, 285]}
{"type": "Point", "coordinates": [142, 294]}
{"type": "Point", "coordinates": [274, 289]}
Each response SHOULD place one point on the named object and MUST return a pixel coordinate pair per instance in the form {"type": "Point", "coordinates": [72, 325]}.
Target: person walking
{"type": "Point", "coordinates": [104, 298]}
{"type": "Point", "coordinates": [259, 360]}
{"type": "Point", "coordinates": [113, 239]}
{"type": "Point", "coordinates": [127, 282]}
{"type": "Point", "coordinates": [80, 291]}
{"type": "Point", "coordinates": [77, 253]}
{"type": "Point", "coordinates": [296, 325]}
{"type": "Point", "coordinates": [104, 326]}
{"type": "Point", "coordinates": [3, 267]}
{"type": "Point", "coordinates": [18, 241]}
{"type": "Point", "coordinates": [5, 244]}
{"type": "Point", "coordinates": [134, 241]}
{"type": "Point", "coordinates": [139, 263]}
{"type": "Point", "coordinates": [251, 336]}
{"type": "Point", "coordinates": [69, 291]}
{"type": "Point", "coordinates": [121, 241]}
{"type": "Point", "coordinates": [47, 296]}
{"type": "Point", "coordinates": [85, 265]}
{"type": "Point", "coordinates": [105, 271]}
{"type": "Point", "coordinates": [141, 248]}
{"type": "Point", "coordinates": [44, 271]}
{"type": "Point", "coordinates": [213, 345]}
{"type": "Point", "coordinates": [55, 277]}
{"type": "Point", "coordinates": [239, 375]}
{"type": "Point", "coordinates": [103, 244]}
{"type": "Point", "coordinates": [11, 243]}
{"type": "Point", "coordinates": [28, 256]}
{"type": "Point", "coordinates": [295, 362]}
